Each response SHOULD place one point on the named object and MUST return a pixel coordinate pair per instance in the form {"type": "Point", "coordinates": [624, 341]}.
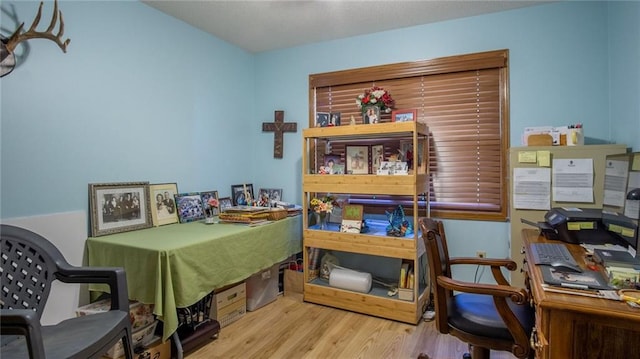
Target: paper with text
{"type": "Point", "coordinates": [532, 188]}
{"type": "Point", "coordinates": [615, 182]}
{"type": "Point", "coordinates": [573, 180]}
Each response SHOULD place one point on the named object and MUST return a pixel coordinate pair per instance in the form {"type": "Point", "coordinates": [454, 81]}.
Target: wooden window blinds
{"type": "Point", "coordinates": [464, 101]}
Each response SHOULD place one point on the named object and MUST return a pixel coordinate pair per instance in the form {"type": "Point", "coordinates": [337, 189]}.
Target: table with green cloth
{"type": "Point", "coordinates": [176, 265]}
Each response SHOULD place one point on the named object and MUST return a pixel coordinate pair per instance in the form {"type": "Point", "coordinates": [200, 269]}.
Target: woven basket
{"type": "Point", "coordinates": [276, 214]}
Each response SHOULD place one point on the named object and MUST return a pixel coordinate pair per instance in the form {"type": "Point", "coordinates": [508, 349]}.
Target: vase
{"type": "Point", "coordinates": [321, 219]}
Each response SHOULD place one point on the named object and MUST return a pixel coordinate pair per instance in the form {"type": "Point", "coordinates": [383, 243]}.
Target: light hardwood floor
{"type": "Point", "coordinates": [288, 328]}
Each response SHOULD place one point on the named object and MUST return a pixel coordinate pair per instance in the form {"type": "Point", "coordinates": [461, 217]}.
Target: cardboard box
{"type": "Point", "coordinates": [262, 288]}
{"type": "Point", "coordinates": [139, 338]}
{"type": "Point", "coordinates": [141, 314]}
{"type": "Point", "coordinates": [229, 305]}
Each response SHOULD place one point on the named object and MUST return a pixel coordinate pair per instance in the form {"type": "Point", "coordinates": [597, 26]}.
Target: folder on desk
{"type": "Point", "coordinates": [614, 258]}
{"type": "Point", "coordinates": [588, 280]}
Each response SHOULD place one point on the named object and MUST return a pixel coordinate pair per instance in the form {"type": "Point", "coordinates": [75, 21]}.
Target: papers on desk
{"type": "Point", "coordinates": [602, 294]}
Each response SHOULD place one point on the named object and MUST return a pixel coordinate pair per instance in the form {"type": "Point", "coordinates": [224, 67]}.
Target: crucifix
{"type": "Point", "coordinates": [279, 127]}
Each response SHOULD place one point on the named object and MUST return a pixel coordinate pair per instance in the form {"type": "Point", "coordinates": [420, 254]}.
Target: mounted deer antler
{"type": "Point", "coordinates": [7, 46]}
{"type": "Point", "coordinates": [17, 37]}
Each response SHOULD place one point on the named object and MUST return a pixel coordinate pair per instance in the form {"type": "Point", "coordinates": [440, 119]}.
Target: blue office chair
{"type": "Point", "coordinates": [30, 264]}
{"type": "Point", "coordinates": [486, 316]}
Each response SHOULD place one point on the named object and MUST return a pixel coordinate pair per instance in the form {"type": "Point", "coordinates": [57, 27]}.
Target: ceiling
{"type": "Point", "coordinates": [265, 25]}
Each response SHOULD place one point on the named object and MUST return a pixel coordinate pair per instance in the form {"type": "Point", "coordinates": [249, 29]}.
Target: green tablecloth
{"type": "Point", "coordinates": [176, 265]}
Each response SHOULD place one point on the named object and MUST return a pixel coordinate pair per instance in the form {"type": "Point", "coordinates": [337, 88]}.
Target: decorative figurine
{"type": "Point", "coordinates": [398, 225]}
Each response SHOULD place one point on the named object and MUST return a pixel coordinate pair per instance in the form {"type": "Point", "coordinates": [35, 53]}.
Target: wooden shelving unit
{"type": "Point", "coordinates": [408, 248]}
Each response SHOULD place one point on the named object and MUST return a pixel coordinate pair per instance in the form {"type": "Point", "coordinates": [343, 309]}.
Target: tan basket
{"type": "Point", "coordinates": [276, 214]}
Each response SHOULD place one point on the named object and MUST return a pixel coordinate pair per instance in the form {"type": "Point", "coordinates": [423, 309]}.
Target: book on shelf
{"type": "Point", "coordinates": [352, 218]}
{"type": "Point", "coordinates": [406, 271]}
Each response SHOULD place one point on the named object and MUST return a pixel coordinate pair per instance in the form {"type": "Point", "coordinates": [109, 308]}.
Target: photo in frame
{"type": "Point", "coordinates": [410, 115]}
{"type": "Point", "coordinates": [163, 204]}
{"type": "Point", "coordinates": [322, 119]}
{"type": "Point", "coordinates": [119, 207]}
{"type": "Point", "coordinates": [242, 194]}
{"type": "Point", "coordinates": [224, 204]}
{"type": "Point", "coordinates": [406, 149]}
{"type": "Point", "coordinates": [377, 157]}
{"type": "Point", "coordinates": [189, 207]}
{"type": "Point", "coordinates": [334, 119]}
{"type": "Point", "coordinates": [332, 165]}
{"type": "Point", "coordinates": [268, 195]}
{"type": "Point", "coordinates": [357, 160]}
{"type": "Point", "coordinates": [371, 115]}
{"type": "Point", "coordinates": [210, 203]}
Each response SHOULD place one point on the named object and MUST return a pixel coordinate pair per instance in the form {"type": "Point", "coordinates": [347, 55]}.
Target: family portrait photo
{"type": "Point", "coordinates": [163, 208]}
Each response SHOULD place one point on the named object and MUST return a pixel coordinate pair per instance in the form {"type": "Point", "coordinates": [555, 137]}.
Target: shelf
{"type": "Point", "coordinates": [380, 130]}
{"type": "Point", "coordinates": [403, 185]}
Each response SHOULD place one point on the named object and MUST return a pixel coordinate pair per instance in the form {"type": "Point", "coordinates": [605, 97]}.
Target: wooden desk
{"type": "Point", "coordinates": [572, 326]}
{"type": "Point", "coordinates": [175, 266]}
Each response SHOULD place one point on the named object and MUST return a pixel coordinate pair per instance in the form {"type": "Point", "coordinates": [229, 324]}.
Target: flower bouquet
{"type": "Point", "coordinates": [322, 207]}
{"type": "Point", "coordinates": [375, 96]}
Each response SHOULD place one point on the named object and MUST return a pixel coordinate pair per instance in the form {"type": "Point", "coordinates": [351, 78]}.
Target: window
{"type": "Point", "coordinates": [464, 101]}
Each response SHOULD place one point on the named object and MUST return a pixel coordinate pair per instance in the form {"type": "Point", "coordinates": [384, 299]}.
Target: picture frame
{"type": "Point", "coordinates": [189, 207]}
{"type": "Point", "coordinates": [332, 165]}
{"type": "Point", "coordinates": [408, 145]}
{"type": "Point", "coordinates": [322, 119]}
{"type": "Point", "coordinates": [377, 157]}
{"type": "Point", "coordinates": [205, 196]}
{"type": "Point", "coordinates": [357, 159]}
{"type": "Point", "coordinates": [239, 192]}
{"type": "Point", "coordinates": [371, 115]}
{"type": "Point", "coordinates": [268, 195]}
{"type": "Point", "coordinates": [407, 115]}
{"type": "Point", "coordinates": [119, 207]}
{"type": "Point", "coordinates": [334, 118]}
{"type": "Point", "coordinates": [163, 204]}
{"type": "Point", "coordinates": [225, 203]}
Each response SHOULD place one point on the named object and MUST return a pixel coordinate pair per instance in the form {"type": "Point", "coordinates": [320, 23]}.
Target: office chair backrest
{"type": "Point", "coordinates": [438, 255]}
{"type": "Point", "coordinates": [28, 269]}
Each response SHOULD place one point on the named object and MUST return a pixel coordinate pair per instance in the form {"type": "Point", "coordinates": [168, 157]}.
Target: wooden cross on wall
{"type": "Point", "coordinates": [279, 127]}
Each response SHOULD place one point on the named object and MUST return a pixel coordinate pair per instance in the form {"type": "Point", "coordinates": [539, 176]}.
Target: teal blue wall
{"type": "Point", "coordinates": [143, 96]}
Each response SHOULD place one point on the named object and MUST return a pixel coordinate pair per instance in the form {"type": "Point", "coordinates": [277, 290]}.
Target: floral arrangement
{"type": "Point", "coordinates": [375, 96]}
{"type": "Point", "coordinates": [212, 202]}
{"type": "Point", "coordinates": [323, 204]}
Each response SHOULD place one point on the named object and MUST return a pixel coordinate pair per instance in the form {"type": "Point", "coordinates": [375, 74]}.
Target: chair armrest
{"type": "Point", "coordinates": [115, 277]}
{"type": "Point", "coordinates": [23, 322]}
{"type": "Point", "coordinates": [517, 295]}
{"type": "Point", "coordinates": [495, 264]}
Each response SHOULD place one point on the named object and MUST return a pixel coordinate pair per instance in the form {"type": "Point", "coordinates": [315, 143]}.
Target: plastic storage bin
{"type": "Point", "coordinates": [262, 288]}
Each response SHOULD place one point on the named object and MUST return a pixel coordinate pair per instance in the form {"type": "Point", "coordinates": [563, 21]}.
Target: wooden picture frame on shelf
{"type": "Point", "coordinates": [322, 119]}
{"type": "Point", "coordinates": [377, 157]}
{"type": "Point", "coordinates": [119, 207]}
{"type": "Point", "coordinates": [163, 207]}
{"type": "Point", "coordinates": [332, 165]}
{"type": "Point", "coordinates": [334, 119]}
{"type": "Point", "coordinates": [371, 115]}
{"type": "Point", "coordinates": [408, 115]}
{"type": "Point", "coordinates": [357, 160]}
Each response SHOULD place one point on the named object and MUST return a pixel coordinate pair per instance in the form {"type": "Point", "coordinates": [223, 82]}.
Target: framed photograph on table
{"type": "Point", "coordinates": [119, 207]}
{"type": "Point", "coordinates": [210, 202]}
{"type": "Point", "coordinates": [225, 203]}
{"type": "Point", "coordinates": [242, 194]}
{"type": "Point", "coordinates": [268, 195]}
{"type": "Point", "coordinates": [404, 115]}
{"type": "Point", "coordinates": [163, 204]}
{"type": "Point", "coordinates": [357, 160]}
{"type": "Point", "coordinates": [189, 207]}
{"type": "Point", "coordinates": [371, 115]}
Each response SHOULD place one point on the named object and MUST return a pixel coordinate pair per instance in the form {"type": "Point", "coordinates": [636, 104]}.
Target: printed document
{"type": "Point", "coordinates": [615, 182]}
{"type": "Point", "coordinates": [532, 188]}
{"type": "Point", "coordinates": [573, 180]}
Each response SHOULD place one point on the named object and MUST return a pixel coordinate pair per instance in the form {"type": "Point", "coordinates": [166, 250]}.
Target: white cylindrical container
{"type": "Point", "coordinates": [350, 280]}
